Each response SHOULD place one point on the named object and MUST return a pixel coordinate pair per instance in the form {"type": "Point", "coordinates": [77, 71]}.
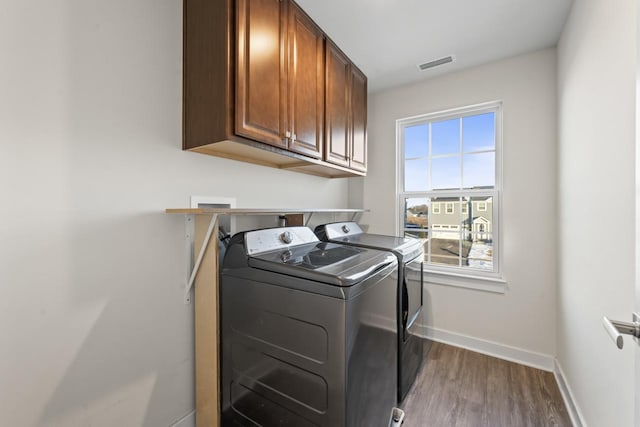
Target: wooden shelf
{"type": "Point", "coordinates": [254, 211]}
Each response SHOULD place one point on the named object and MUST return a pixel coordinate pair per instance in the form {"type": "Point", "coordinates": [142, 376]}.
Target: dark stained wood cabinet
{"type": "Point", "coordinates": [306, 84]}
{"type": "Point", "coordinates": [279, 76]}
{"type": "Point", "coordinates": [358, 145]}
{"type": "Point", "coordinates": [256, 89]}
{"type": "Point", "coordinates": [346, 111]}
{"type": "Point", "coordinates": [337, 106]}
{"type": "Point", "coordinates": [261, 71]}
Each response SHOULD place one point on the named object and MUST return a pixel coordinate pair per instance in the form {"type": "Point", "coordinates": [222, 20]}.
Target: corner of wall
{"type": "Point", "coordinates": [569, 402]}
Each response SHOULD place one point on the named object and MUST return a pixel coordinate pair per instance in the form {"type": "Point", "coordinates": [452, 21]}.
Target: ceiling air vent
{"type": "Point", "coordinates": [435, 63]}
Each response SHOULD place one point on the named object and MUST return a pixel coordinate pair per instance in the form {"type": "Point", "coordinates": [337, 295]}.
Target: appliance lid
{"type": "Point", "coordinates": [326, 262]}
{"type": "Point", "coordinates": [406, 248]}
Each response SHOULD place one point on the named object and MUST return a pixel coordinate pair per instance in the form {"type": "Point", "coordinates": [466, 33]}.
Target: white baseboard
{"type": "Point", "coordinates": [574, 412]}
{"type": "Point", "coordinates": [490, 348]}
{"type": "Point", "coordinates": [188, 420]}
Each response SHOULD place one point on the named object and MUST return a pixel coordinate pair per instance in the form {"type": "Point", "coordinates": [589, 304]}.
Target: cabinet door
{"type": "Point", "coordinates": [358, 158]}
{"type": "Point", "coordinates": [261, 73]}
{"type": "Point", "coordinates": [306, 84]}
{"type": "Point", "coordinates": [337, 106]}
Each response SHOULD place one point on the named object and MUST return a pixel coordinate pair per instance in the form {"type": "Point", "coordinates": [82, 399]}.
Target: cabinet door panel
{"type": "Point", "coordinates": [358, 156]}
{"type": "Point", "coordinates": [261, 73]}
{"type": "Point", "coordinates": [337, 107]}
{"type": "Point", "coordinates": [306, 84]}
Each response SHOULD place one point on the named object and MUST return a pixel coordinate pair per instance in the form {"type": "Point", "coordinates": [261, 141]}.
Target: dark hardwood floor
{"type": "Point", "coordinates": [458, 387]}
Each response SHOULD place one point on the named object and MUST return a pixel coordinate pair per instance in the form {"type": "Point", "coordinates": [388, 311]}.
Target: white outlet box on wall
{"type": "Point", "coordinates": [225, 221]}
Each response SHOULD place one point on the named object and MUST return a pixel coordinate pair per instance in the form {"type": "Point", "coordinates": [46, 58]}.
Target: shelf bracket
{"type": "Point", "coordinates": [196, 266]}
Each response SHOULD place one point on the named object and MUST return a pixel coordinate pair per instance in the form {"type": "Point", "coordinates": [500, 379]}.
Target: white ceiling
{"type": "Point", "coordinates": [387, 39]}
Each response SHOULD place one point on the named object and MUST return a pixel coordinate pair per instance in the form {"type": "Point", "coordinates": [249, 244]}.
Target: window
{"type": "Point", "coordinates": [452, 159]}
{"type": "Point", "coordinates": [449, 208]}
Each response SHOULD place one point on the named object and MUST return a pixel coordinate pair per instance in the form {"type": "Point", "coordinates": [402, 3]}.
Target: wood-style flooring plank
{"type": "Point", "coordinates": [461, 388]}
{"type": "Point", "coordinates": [500, 410]}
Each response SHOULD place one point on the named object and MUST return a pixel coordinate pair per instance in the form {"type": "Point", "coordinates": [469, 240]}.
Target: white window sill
{"type": "Point", "coordinates": [480, 283]}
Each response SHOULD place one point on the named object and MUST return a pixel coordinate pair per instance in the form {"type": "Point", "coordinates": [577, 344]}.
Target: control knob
{"type": "Point", "coordinates": [345, 229]}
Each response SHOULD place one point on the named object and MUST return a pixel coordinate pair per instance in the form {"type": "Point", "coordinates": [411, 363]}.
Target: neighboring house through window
{"type": "Point", "coordinates": [449, 187]}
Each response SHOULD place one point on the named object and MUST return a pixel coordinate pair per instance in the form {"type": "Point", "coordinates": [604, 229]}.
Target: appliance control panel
{"type": "Point", "coordinates": [342, 229]}
{"type": "Point", "coordinates": [272, 239]}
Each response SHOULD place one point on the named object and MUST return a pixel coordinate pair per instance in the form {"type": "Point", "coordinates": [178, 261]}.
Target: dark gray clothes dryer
{"type": "Point", "coordinates": [410, 294]}
{"type": "Point", "coordinates": [302, 341]}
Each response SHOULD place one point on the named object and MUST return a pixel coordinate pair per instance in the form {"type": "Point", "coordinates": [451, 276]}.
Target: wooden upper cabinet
{"type": "Point", "coordinates": [264, 84]}
{"type": "Point", "coordinates": [346, 111]}
{"type": "Point", "coordinates": [306, 84]}
{"type": "Point", "coordinates": [261, 71]}
{"type": "Point", "coordinates": [358, 158]}
{"type": "Point", "coordinates": [337, 106]}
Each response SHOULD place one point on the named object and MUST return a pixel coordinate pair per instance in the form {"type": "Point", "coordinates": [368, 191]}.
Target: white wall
{"type": "Point", "coordinates": [93, 328]}
{"type": "Point", "coordinates": [524, 316]}
{"type": "Point", "coordinates": [596, 102]}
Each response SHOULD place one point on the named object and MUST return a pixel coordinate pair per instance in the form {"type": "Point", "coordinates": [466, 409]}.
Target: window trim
{"type": "Point", "coordinates": [457, 276]}
{"type": "Point", "coordinates": [446, 208]}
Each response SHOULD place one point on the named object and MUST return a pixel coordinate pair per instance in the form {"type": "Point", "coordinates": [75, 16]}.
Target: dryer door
{"type": "Point", "coordinates": [411, 346]}
{"type": "Point", "coordinates": [412, 294]}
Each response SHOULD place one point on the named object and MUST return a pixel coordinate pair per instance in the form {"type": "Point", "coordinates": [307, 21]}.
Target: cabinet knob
{"type": "Point", "coordinates": [287, 134]}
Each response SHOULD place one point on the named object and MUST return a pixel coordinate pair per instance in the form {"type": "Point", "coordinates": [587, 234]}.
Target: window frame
{"type": "Point", "coordinates": [446, 208]}
{"type": "Point", "coordinates": [457, 275]}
